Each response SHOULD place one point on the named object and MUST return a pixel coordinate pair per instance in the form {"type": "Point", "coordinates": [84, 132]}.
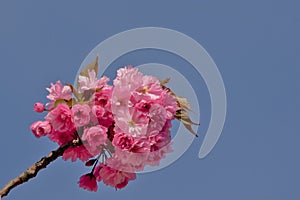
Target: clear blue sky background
{"type": "Point", "coordinates": [256, 46]}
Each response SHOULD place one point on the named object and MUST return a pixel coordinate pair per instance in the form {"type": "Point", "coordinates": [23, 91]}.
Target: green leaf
{"type": "Point", "coordinates": [183, 116]}
{"type": "Point", "coordinates": [165, 81]}
{"type": "Point", "coordinates": [70, 103]}
{"type": "Point", "coordinates": [90, 67]}
{"type": "Point", "coordinates": [59, 101]}
{"type": "Point", "coordinates": [183, 102]}
{"type": "Point", "coordinates": [75, 92]}
{"type": "Point", "coordinates": [78, 96]}
{"type": "Point", "coordinates": [189, 127]}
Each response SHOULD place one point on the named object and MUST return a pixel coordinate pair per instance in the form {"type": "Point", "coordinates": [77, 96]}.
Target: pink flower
{"type": "Point", "coordinates": [152, 85]}
{"type": "Point", "coordinates": [41, 128]}
{"type": "Point", "coordinates": [91, 82]}
{"type": "Point", "coordinates": [156, 156]}
{"type": "Point", "coordinates": [62, 137]}
{"type": "Point", "coordinates": [107, 119]}
{"type": "Point", "coordinates": [150, 89]}
{"type": "Point", "coordinates": [160, 145]}
{"type": "Point", "coordinates": [88, 182]}
{"type": "Point", "coordinates": [95, 137]}
{"type": "Point", "coordinates": [129, 161]}
{"type": "Point", "coordinates": [58, 91]}
{"type": "Point", "coordinates": [131, 121]}
{"type": "Point", "coordinates": [98, 111]}
{"type": "Point", "coordinates": [120, 98]}
{"type": "Point", "coordinates": [97, 172]}
{"type": "Point", "coordinates": [104, 117]}
{"type": "Point", "coordinates": [127, 80]}
{"type": "Point", "coordinates": [158, 115]}
{"type": "Point", "coordinates": [143, 106]}
{"type": "Point", "coordinates": [81, 114]}
{"type": "Point", "coordinates": [103, 97]}
{"type": "Point", "coordinates": [78, 152]}
{"type": "Point", "coordinates": [123, 141]}
{"type": "Point", "coordinates": [113, 177]}
{"type": "Point", "coordinates": [130, 77]}
{"type": "Point", "coordinates": [160, 140]}
{"type": "Point", "coordinates": [39, 107]}
{"type": "Point", "coordinates": [61, 118]}
{"type": "Point", "coordinates": [141, 145]}
{"type": "Point", "coordinates": [169, 103]}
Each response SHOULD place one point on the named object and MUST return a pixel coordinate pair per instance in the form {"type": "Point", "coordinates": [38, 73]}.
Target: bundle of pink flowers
{"type": "Point", "coordinates": [121, 128]}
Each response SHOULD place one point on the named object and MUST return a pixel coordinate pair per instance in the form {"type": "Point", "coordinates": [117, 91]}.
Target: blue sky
{"type": "Point", "coordinates": [255, 45]}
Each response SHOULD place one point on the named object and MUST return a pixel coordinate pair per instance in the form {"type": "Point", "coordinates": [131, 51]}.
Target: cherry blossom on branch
{"type": "Point", "coordinates": [119, 128]}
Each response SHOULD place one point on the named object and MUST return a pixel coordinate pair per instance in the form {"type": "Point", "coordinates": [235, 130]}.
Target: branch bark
{"type": "Point", "coordinates": [33, 170]}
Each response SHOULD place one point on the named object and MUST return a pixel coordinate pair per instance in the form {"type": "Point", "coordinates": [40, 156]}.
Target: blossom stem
{"type": "Point", "coordinates": [97, 160]}
{"type": "Point", "coordinates": [33, 170]}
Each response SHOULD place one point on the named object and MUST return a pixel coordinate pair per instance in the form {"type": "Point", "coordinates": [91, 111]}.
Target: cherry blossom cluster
{"type": "Point", "coordinates": [121, 127]}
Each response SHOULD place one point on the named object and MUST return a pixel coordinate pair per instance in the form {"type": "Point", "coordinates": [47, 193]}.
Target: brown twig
{"type": "Point", "coordinates": [33, 170]}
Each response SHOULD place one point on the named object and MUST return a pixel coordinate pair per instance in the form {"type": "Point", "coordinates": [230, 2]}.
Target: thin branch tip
{"type": "Point", "coordinates": [34, 169]}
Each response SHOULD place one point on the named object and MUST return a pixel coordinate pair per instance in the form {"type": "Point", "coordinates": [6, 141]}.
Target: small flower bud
{"type": "Point", "coordinates": [41, 128]}
{"type": "Point", "coordinates": [39, 107]}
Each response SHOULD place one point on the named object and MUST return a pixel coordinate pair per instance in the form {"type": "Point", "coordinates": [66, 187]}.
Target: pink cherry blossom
{"type": "Point", "coordinates": [58, 91]}
{"type": "Point", "coordinates": [156, 156]}
{"type": "Point", "coordinates": [127, 80]}
{"type": "Point", "coordinates": [141, 145]}
{"type": "Point", "coordinates": [78, 152]}
{"type": "Point", "coordinates": [113, 177]}
{"type": "Point", "coordinates": [123, 141]}
{"type": "Point", "coordinates": [41, 128]}
{"type": "Point", "coordinates": [107, 119]}
{"type": "Point", "coordinates": [98, 111]}
{"type": "Point", "coordinates": [95, 137]}
{"type": "Point", "coordinates": [81, 114]}
{"type": "Point", "coordinates": [160, 140]}
{"type": "Point", "coordinates": [124, 127]}
{"type": "Point", "coordinates": [91, 82]}
{"type": "Point", "coordinates": [103, 97]}
{"type": "Point", "coordinates": [88, 182]}
{"type": "Point", "coordinates": [169, 103]}
{"type": "Point", "coordinates": [62, 138]}
{"type": "Point", "coordinates": [130, 77]}
{"type": "Point", "coordinates": [130, 161]}
{"type": "Point", "coordinates": [103, 82]}
{"type": "Point", "coordinates": [120, 99]}
{"type": "Point", "coordinates": [97, 172]}
{"type": "Point", "coordinates": [149, 90]}
{"type": "Point", "coordinates": [87, 83]}
{"type": "Point", "coordinates": [158, 115]}
{"type": "Point", "coordinates": [143, 106]}
{"type": "Point", "coordinates": [39, 107]}
{"type": "Point", "coordinates": [61, 118]}
{"type": "Point", "coordinates": [131, 121]}
{"type": "Point", "coordinates": [103, 117]}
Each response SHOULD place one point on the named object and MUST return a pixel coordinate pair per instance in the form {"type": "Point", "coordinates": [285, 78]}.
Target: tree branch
{"type": "Point", "coordinates": [33, 170]}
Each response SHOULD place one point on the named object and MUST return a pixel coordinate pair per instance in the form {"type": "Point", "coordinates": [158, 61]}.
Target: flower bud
{"type": "Point", "coordinates": [41, 128]}
{"type": "Point", "coordinates": [39, 107]}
